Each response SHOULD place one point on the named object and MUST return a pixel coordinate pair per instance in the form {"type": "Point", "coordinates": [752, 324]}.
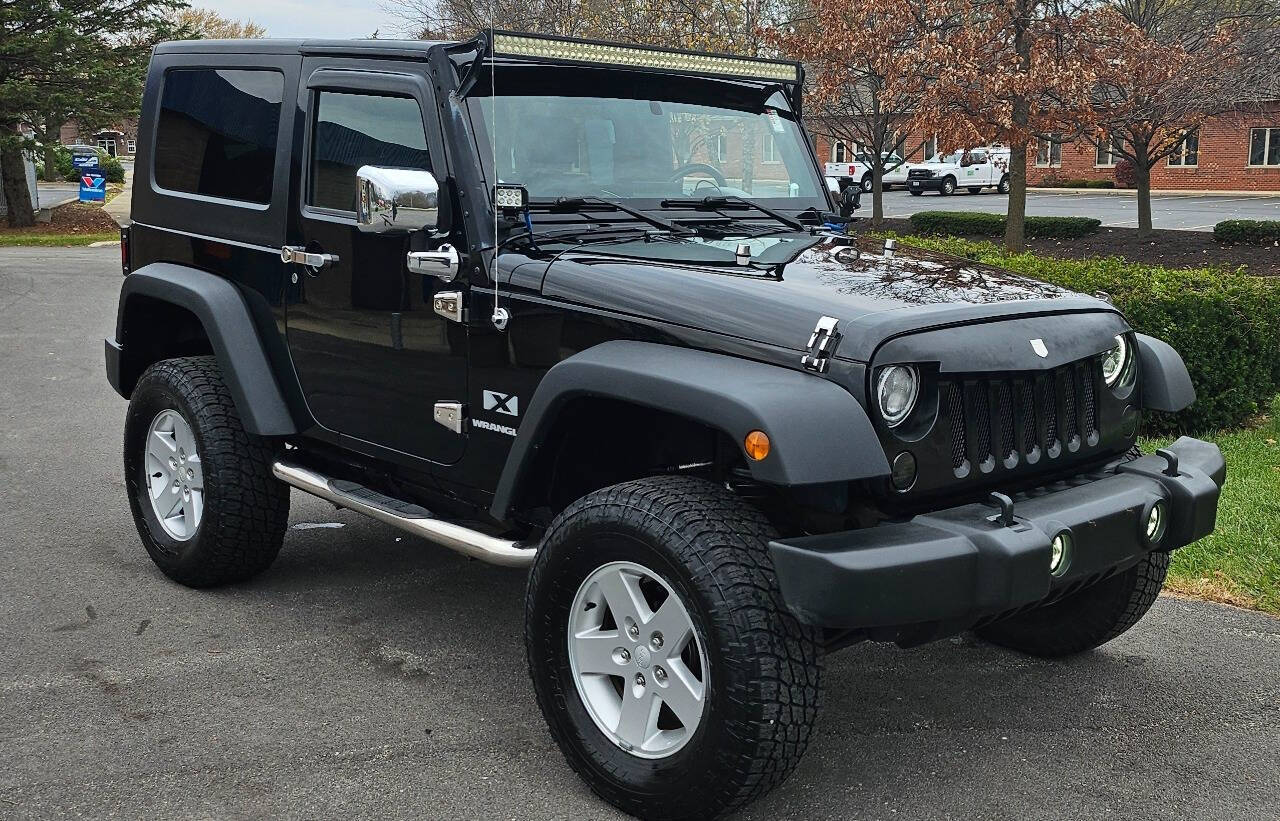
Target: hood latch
{"type": "Point", "coordinates": [821, 345]}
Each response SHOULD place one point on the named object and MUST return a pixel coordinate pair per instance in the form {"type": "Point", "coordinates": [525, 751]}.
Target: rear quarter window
{"type": "Point", "coordinates": [217, 133]}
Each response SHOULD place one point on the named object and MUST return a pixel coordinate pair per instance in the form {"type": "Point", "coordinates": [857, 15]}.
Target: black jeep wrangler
{"type": "Point", "coordinates": [586, 309]}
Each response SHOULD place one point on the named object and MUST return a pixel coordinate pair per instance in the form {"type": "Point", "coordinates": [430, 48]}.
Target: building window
{"type": "Point", "coordinates": [132, 146]}
{"type": "Point", "coordinates": [1107, 152]}
{"type": "Point", "coordinates": [930, 149]}
{"type": "Point", "coordinates": [839, 152]}
{"type": "Point", "coordinates": [217, 133]}
{"type": "Point", "coordinates": [1264, 146]}
{"type": "Point", "coordinates": [107, 146]}
{"type": "Point", "coordinates": [1049, 152]}
{"type": "Point", "coordinates": [721, 148]}
{"type": "Point", "coordinates": [353, 130]}
{"type": "Point", "coordinates": [770, 149]}
{"type": "Point", "coordinates": [1187, 154]}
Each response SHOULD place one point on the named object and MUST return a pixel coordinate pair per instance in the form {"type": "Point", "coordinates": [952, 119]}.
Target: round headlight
{"type": "Point", "coordinates": [1116, 361]}
{"type": "Point", "coordinates": [896, 392]}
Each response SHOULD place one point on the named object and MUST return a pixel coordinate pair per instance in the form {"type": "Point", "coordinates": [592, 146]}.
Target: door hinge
{"type": "Point", "coordinates": [822, 343]}
{"type": "Point", "coordinates": [301, 256]}
{"type": "Point", "coordinates": [453, 415]}
{"type": "Point", "coordinates": [448, 304]}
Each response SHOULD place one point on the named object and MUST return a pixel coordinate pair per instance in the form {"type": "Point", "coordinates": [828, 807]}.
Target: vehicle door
{"type": "Point", "coordinates": [977, 169]}
{"type": "Point", "coordinates": [371, 355]}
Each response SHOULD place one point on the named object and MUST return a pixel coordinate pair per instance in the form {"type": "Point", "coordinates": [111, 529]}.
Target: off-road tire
{"type": "Point", "coordinates": [246, 509]}
{"type": "Point", "coordinates": [1086, 619]}
{"type": "Point", "coordinates": [1003, 187]}
{"type": "Point", "coordinates": [948, 187]}
{"type": "Point", "coordinates": [764, 666]}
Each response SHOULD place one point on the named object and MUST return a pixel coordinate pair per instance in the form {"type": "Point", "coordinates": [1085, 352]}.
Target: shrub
{"type": "Point", "coordinates": [1126, 175]}
{"type": "Point", "coordinates": [110, 168]}
{"type": "Point", "coordinates": [1248, 232]}
{"type": "Point", "coordinates": [969, 223]}
{"type": "Point", "coordinates": [1100, 184]}
{"type": "Point", "coordinates": [1225, 324]}
{"type": "Point", "coordinates": [1075, 183]}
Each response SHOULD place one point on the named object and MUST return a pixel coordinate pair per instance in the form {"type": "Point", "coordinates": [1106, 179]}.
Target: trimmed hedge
{"type": "Point", "coordinates": [1248, 232]}
{"type": "Point", "coordinates": [972, 223]}
{"type": "Point", "coordinates": [1225, 324]}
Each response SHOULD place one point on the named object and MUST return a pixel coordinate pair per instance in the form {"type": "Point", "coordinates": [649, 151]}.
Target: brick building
{"type": "Point", "coordinates": [120, 140]}
{"type": "Point", "coordinates": [1238, 151]}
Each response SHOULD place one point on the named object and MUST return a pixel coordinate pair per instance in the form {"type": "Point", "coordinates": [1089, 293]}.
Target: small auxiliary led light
{"type": "Point", "coordinates": [1157, 523]}
{"type": "Point", "coordinates": [576, 51]}
{"type": "Point", "coordinates": [510, 198]}
{"type": "Point", "coordinates": [1060, 553]}
{"type": "Point", "coordinates": [757, 444]}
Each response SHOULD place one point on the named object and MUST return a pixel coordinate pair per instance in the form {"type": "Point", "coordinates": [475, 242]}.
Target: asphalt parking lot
{"type": "Point", "coordinates": [1187, 213]}
{"type": "Point", "coordinates": [369, 675]}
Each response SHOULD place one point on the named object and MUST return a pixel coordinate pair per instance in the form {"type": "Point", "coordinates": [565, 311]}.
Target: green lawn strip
{"type": "Point", "coordinates": [7, 240]}
{"type": "Point", "coordinates": [1240, 562]}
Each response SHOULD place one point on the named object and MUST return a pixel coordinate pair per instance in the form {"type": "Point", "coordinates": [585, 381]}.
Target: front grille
{"type": "Point", "coordinates": [919, 174]}
{"type": "Point", "coordinates": [1006, 420]}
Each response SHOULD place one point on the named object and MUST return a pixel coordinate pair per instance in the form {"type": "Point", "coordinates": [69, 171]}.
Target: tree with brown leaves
{"type": "Point", "coordinates": [207, 24]}
{"type": "Point", "coordinates": [871, 65]}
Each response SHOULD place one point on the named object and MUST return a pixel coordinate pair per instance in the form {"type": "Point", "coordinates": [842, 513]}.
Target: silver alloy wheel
{"type": "Point", "coordinates": [639, 665]}
{"type": "Point", "coordinates": [175, 477]}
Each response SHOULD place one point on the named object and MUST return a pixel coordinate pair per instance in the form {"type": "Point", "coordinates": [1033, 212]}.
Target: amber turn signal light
{"type": "Point", "coordinates": [757, 444]}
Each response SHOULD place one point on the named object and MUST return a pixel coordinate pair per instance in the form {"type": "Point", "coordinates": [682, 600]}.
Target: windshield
{"type": "Point", "coordinates": [574, 132]}
{"type": "Point", "coordinates": [952, 158]}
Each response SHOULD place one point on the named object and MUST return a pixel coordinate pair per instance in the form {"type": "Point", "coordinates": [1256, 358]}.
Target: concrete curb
{"type": "Point", "coordinates": [1130, 192]}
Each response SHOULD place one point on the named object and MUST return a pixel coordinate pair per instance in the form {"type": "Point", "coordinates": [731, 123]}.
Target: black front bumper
{"type": "Point", "coordinates": [926, 184]}
{"type": "Point", "coordinates": [957, 566]}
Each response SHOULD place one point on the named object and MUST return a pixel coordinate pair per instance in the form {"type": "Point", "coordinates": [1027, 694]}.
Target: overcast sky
{"type": "Point", "coordinates": [311, 18]}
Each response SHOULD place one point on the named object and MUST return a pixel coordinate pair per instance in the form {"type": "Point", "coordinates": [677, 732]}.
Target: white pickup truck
{"type": "Point", "coordinates": [895, 170]}
{"type": "Point", "coordinates": [974, 169]}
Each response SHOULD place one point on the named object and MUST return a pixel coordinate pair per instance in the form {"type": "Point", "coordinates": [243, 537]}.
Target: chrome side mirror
{"type": "Point", "coordinates": [396, 200]}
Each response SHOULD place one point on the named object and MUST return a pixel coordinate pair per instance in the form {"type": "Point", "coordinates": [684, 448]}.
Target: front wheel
{"type": "Point", "coordinates": [1087, 619]}
{"type": "Point", "coordinates": [668, 669]}
{"type": "Point", "coordinates": [867, 184]}
{"type": "Point", "coordinates": [948, 187]}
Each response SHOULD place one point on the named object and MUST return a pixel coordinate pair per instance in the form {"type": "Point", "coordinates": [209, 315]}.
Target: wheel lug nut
{"type": "Point", "coordinates": [191, 474]}
{"type": "Point", "coordinates": [625, 656]}
{"type": "Point", "coordinates": [639, 679]}
{"type": "Point", "coordinates": [659, 674]}
{"type": "Point", "coordinates": [656, 641]}
{"type": "Point", "coordinates": [633, 631]}
{"type": "Point", "coordinates": [173, 463]}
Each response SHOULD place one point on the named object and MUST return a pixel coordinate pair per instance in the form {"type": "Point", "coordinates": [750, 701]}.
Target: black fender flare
{"type": "Point", "coordinates": [1166, 385]}
{"type": "Point", "coordinates": [227, 318]}
{"type": "Point", "coordinates": [819, 432]}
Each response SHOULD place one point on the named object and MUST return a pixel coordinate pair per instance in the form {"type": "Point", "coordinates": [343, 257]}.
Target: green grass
{"type": "Point", "coordinates": [1240, 562]}
{"type": "Point", "coordinates": [56, 239]}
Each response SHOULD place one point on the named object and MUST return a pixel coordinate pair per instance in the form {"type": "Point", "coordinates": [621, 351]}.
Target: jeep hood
{"type": "Point", "coordinates": [874, 297]}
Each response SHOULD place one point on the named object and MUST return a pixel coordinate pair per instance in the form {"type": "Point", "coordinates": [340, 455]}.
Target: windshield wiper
{"type": "Point", "coordinates": [725, 200]}
{"type": "Point", "coordinates": [583, 203]}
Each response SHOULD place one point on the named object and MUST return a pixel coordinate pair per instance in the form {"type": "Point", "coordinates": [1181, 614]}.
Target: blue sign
{"type": "Point", "coordinates": [85, 162]}
{"type": "Point", "coordinates": [93, 186]}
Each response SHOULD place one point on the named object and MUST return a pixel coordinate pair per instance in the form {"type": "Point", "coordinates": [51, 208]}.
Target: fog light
{"type": "Point", "coordinates": [1157, 523]}
{"type": "Point", "coordinates": [1060, 553]}
{"type": "Point", "coordinates": [904, 471]}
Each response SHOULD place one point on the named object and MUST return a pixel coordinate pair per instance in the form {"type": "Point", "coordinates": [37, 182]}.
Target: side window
{"type": "Point", "coordinates": [352, 130]}
{"type": "Point", "coordinates": [218, 131]}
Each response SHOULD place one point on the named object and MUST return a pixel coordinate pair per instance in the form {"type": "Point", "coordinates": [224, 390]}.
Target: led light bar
{"type": "Point", "coordinates": [577, 51]}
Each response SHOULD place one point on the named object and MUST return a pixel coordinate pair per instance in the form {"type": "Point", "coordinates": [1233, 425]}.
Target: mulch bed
{"type": "Point", "coordinates": [72, 218]}
{"type": "Point", "coordinates": [1171, 249]}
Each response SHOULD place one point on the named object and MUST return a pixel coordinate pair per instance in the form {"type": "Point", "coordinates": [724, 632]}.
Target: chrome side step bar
{"type": "Point", "coordinates": [409, 518]}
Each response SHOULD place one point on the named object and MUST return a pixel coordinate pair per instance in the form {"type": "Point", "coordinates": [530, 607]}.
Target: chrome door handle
{"type": "Point", "coordinates": [298, 254]}
{"type": "Point", "coordinates": [444, 262]}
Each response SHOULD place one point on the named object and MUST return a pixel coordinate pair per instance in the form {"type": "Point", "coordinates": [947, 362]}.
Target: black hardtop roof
{"type": "Point", "coordinates": [271, 45]}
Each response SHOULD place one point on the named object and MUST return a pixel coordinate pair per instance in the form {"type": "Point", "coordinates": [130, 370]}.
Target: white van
{"type": "Point", "coordinates": [973, 168]}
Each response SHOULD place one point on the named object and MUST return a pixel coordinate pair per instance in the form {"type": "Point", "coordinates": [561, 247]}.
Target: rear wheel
{"type": "Point", "coordinates": [1003, 187]}
{"type": "Point", "coordinates": [948, 187]}
{"type": "Point", "coordinates": [1087, 619]}
{"type": "Point", "coordinates": [668, 669]}
{"type": "Point", "coordinates": [203, 498]}
{"type": "Point", "coordinates": [867, 184]}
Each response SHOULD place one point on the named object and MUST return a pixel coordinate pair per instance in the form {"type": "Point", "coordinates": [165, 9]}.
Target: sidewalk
{"type": "Point", "coordinates": [118, 208]}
